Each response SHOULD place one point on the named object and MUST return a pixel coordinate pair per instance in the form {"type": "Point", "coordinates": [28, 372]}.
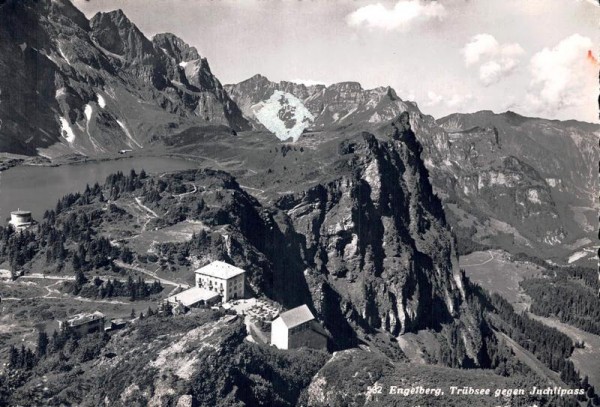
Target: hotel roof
{"type": "Point", "coordinates": [296, 316]}
{"type": "Point", "coordinates": [221, 270]}
{"type": "Point", "coordinates": [192, 296]}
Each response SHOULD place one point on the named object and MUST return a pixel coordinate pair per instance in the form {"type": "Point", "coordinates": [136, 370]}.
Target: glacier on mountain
{"type": "Point", "coordinates": [284, 115]}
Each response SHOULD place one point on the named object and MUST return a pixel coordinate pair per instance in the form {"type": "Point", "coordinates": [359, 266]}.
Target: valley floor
{"type": "Point", "coordinates": [494, 271]}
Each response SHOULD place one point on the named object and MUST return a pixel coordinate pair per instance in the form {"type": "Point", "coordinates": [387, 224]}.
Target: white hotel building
{"type": "Point", "coordinates": [217, 280]}
{"type": "Point", "coordinates": [223, 279]}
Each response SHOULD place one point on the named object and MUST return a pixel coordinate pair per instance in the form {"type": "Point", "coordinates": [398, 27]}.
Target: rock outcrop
{"type": "Point", "coordinates": [380, 254]}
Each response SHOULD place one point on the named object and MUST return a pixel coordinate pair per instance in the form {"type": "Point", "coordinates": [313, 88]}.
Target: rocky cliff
{"type": "Point", "coordinates": [379, 251]}
{"type": "Point", "coordinates": [72, 85]}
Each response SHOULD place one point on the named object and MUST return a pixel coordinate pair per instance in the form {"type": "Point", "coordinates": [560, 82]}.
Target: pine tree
{"type": "Point", "coordinates": [22, 354]}
{"type": "Point", "coordinates": [76, 262]}
{"type": "Point", "coordinates": [42, 344]}
{"type": "Point", "coordinates": [13, 359]}
{"type": "Point", "coordinates": [80, 279]}
{"type": "Point", "coordinates": [55, 341]}
{"type": "Point", "coordinates": [585, 382]}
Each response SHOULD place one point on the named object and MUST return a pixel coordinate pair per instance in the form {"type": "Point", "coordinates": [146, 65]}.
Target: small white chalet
{"type": "Point", "coordinates": [296, 328]}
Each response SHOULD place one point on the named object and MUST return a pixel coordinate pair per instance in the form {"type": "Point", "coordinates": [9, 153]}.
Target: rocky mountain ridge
{"type": "Point", "coordinates": [99, 85]}
{"type": "Point", "coordinates": [339, 104]}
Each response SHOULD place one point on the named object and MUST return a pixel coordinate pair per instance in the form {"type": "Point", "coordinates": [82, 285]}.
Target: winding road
{"type": "Point", "coordinates": [480, 264]}
{"type": "Point", "coordinates": [149, 273]}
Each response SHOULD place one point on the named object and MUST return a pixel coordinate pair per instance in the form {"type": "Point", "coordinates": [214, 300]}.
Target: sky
{"type": "Point", "coordinates": [534, 57]}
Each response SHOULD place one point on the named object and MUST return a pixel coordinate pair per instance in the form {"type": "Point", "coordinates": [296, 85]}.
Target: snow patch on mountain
{"type": "Point", "coordinates": [101, 101]}
{"type": "Point", "coordinates": [88, 112]}
{"type": "Point", "coordinates": [375, 118]}
{"type": "Point", "coordinates": [577, 256]}
{"type": "Point", "coordinates": [284, 115]}
{"type": "Point", "coordinates": [62, 54]}
{"type": "Point", "coordinates": [60, 92]}
{"type": "Point", "coordinates": [533, 196]}
{"type": "Point", "coordinates": [66, 131]}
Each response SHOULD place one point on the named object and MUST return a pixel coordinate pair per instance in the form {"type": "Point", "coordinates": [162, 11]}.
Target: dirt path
{"type": "Point", "coordinates": [262, 191]}
{"type": "Point", "coordinates": [54, 294]}
{"type": "Point", "coordinates": [150, 214]}
{"type": "Point", "coordinates": [51, 290]}
{"type": "Point", "coordinates": [47, 277]}
{"type": "Point", "coordinates": [150, 211]}
{"type": "Point", "coordinates": [66, 297]}
{"type": "Point", "coordinates": [179, 196]}
{"type": "Point", "coordinates": [149, 273]}
{"type": "Point", "coordinates": [38, 276]}
{"type": "Point", "coordinates": [480, 264]}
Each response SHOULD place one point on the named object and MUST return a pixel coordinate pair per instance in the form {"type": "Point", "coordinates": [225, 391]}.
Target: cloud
{"type": "Point", "coordinates": [453, 101]}
{"type": "Point", "coordinates": [563, 76]}
{"type": "Point", "coordinates": [458, 101]}
{"type": "Point", "coordinates": [495, 60]}
{"type": "Point", "coordinates": [407, 94]}
{"type": "Point", "coordinates": [402, 17]}
{"type": "Point", "coordinates": [433, 99]}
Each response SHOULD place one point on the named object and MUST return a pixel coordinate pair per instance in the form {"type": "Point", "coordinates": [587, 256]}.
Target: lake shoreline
{"type": "Point", "coordinates": [13, 161]}
{"type": "Point", "coordinates": [38, 187]}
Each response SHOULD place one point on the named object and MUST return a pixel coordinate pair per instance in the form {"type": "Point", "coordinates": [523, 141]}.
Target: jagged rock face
{"type": "Point", "coordinates": [340, 104]}
{"type": "Point", "coordinates": [368, 247]}
{"type": "Point", "coordinates": [555, 149]}
{"type": "Point", "coordinates": [115, 33]}
{"type": "Point", "coordinates": [175, 47]}
{"type": "Point", "coordinates": [380, 251]}
{"type": "Point", "coordinates": [475, 168]}
{"type": "Point", "coordinates": [72, 85]}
